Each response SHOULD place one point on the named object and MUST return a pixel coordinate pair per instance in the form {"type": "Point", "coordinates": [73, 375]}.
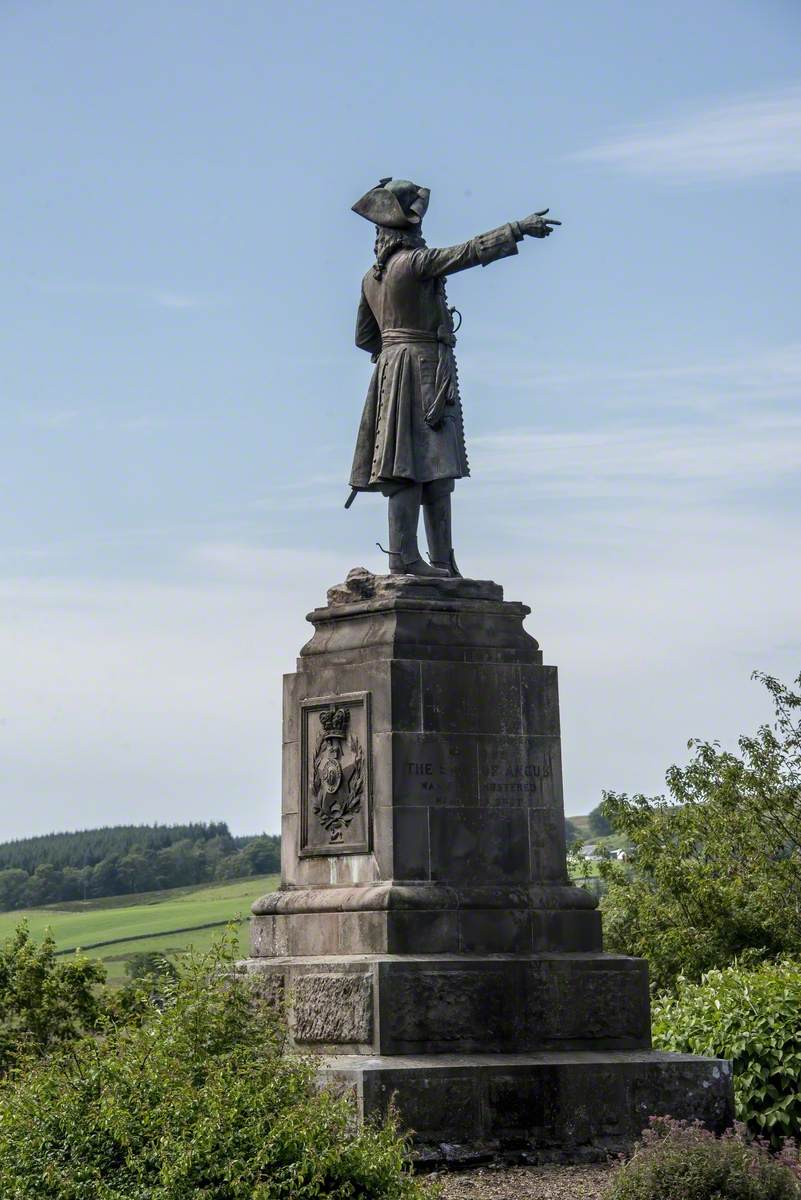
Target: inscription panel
{"type": "Point", "coordinates": [468, 771]}
{"type": "Point", "coordinates": [520, 772]}
{"type": "Point", "coordinates": [437, 768]}
{"type": "Point", "coordinates": [335, 784]}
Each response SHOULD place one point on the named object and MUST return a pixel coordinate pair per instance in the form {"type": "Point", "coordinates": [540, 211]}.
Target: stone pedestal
{"type": "Point", "coordinates": [426, 936]}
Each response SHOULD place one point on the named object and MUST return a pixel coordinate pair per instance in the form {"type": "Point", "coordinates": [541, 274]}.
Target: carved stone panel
{"type": "Point", "coordinates": [335, 785]}
{"type": "Point", "coordinates": [333, 1008]}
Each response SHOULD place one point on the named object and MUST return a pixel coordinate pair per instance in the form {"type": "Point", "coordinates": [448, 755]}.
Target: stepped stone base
{"type": "Point", "coordinates": [426, 941]}
{"type": "Point", "coordinates": [554, 1105]}
{"type": "Point", "coordinates": [440, 1004]}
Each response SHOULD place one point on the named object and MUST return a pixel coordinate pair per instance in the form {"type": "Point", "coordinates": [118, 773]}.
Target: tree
{"type": "Point", "coordinates": [136, 873]}
{"type": "Point", "coordinates": [718, 864]}
{"type": "Point", "coordinates": [598, 823]}
{"type": "Point", "coordinates": [150, 964]}
{"type": "Point", "coordinates": [45, 1002]}
{"type": "Point", "coordinates": [44, 885]}
{"type": "Point", "coordinates": [105, 878]}
{"type": "Point", "coordinates": [12, 888]}
{"type": "Point", "coordinates": [179, 865]}
{"type": "Point", "coordinates": [120, 859]}
{"type": "Point", "coordinates": [263, 855]}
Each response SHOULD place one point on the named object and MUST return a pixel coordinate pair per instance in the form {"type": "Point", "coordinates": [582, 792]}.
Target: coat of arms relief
{"type": "Point", "coordinates": [335, 781]}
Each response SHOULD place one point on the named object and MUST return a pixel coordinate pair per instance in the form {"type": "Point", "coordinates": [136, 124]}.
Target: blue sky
{"type": "Point", "coordinates": [180, 392]}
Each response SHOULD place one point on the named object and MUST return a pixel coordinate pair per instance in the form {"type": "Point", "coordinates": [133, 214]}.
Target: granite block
{"type": "Point", "coordinates": [476, 844]}
{"type": "Point", "coordinates": [331, 1008]}
{"type": "Point", "coordinates": [472, 698]}
{"type": "Point", "coordinates": [411, 853]}
{"type": "Point", "coordinates": [556, 1105]}
{"type": "Point", "coordinates": [539, 700]}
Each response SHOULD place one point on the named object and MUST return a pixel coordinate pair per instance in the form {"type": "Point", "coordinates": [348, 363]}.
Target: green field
{"type": "Point", "coordinates": [169, 921]}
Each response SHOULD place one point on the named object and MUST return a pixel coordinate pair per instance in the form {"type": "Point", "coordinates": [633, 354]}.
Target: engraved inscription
{"type": "Point", "coordinates": [434, 769]}
{"type": "Point", "coordinates": [335, 779]}
{"type": "Point", "coordinates": [440, 776]}
{"type": "Point", "coordinates": [504, 778]}
{"type": "Point", "coordinates": [519, 772]}
{"type": "Point", "coordinates": [459, 769]}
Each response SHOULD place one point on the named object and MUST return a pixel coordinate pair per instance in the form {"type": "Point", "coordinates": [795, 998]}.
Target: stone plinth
{"type": "Point", "coordinates": [558, 1105]}
{"type": "Point", "coordinates": [426, 936]}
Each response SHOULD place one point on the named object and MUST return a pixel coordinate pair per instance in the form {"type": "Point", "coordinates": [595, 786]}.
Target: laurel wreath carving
{"type": "Point", "coordinates": [336, 811]}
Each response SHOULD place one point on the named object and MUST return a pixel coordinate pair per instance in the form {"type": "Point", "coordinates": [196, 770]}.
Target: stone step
{"type": "Point", "coordinates": [556, 1105]}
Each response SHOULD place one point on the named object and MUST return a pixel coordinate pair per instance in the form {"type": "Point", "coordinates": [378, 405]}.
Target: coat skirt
{"type": "Point", "coordinates": [394, 442]}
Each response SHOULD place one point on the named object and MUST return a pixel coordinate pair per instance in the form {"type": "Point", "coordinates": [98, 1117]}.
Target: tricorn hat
{"type": "Point", "coordinates": [394, 203]}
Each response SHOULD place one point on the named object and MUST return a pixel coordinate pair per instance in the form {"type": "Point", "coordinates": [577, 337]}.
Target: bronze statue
{"type": "Point", "coordinates": [410, 444]}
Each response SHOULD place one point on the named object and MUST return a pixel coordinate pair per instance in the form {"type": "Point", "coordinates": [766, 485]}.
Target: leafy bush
{"type": "Point", "coordinates": [752, 1016]}
{"type": "Point", "coordinates": [151, 964]}
{"type": "Point", "coordinates": [676, 1160]}
{"type": "Point", "coordinates": [195, 1098]}
{"type": "Point", "coordinates": [598, 823]}
{"type": "Point", "coordinates": [45, 1002]}
{"type": "Point", "coordinates": [717, 866]}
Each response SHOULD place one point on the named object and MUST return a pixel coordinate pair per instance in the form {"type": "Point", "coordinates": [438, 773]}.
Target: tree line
{"type": "Point", "coordinates": [121, 860]}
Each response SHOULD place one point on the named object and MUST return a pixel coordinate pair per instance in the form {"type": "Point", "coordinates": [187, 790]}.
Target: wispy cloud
{"type": "Point", "coordinates": [761, 376]}
{"type": "Point", "coordinates": [636, 460]}
{"type": "Point", "coordinates": [744, 137]}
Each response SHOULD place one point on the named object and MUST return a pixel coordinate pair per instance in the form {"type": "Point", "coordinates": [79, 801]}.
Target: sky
{"type": "Point", "coordinates": [180, 392]}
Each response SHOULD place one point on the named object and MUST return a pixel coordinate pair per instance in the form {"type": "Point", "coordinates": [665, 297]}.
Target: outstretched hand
{"type": "Point", "coordinates": [536, 225]}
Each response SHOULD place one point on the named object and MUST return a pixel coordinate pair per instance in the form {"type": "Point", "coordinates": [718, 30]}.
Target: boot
{"type": "Point", "coordinates": [404, 555]}
{"type": "Point", "coordinates": [437, 516]}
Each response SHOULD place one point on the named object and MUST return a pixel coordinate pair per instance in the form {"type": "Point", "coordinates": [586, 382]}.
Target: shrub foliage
{"type": "Point", "coordinates": [194, 1098]}
{"type": "Point", "coordinates": [752, 1016]}
{"type": "Point", "coordinates": [45, 1001]}
{"type": "Point", "coordinates": [680, 1161]}
{"type": "Point", "coordinates": [717, 865]}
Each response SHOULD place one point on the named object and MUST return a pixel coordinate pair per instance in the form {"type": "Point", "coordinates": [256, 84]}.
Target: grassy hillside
{"type": "Point", "coordinates": [168, 921]}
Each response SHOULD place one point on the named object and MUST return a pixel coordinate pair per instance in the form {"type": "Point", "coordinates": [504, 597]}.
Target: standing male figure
{"type": "Point", "coordinates": [410, 444]}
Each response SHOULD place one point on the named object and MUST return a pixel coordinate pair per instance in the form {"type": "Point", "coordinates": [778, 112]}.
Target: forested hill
{"type": "Point", "coordinates": [86, 847]}
{"type": "Point", "coordinates": [119, 860]}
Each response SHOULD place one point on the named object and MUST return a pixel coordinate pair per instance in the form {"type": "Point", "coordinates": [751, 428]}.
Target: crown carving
{"type": "Point", "coordinates": [334, 721]}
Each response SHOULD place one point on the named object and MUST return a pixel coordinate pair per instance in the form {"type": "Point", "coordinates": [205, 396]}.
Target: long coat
{"type": "Point", "coordinates": [411, 427]}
